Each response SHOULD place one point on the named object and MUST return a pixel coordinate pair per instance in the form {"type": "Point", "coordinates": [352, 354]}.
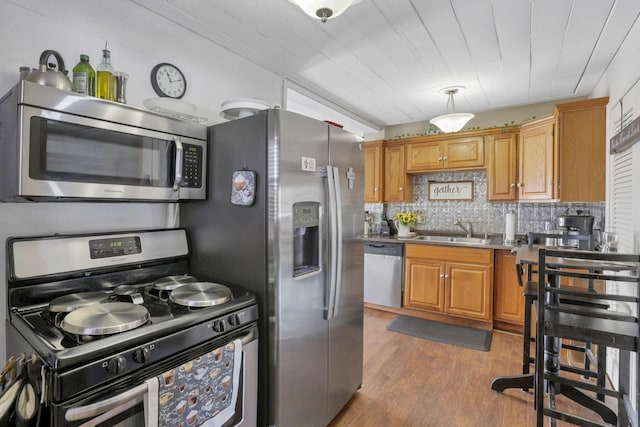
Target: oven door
{"type": "Point", "coordinates": [70, 156]}
{"type": "Point", "coordinates": [142, 405]}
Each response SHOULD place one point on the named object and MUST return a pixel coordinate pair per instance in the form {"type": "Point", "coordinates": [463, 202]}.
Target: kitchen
{"type": "Point", "coordinates": [76, 28]}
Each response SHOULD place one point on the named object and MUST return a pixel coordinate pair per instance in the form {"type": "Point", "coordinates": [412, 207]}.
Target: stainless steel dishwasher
{"type": "Point", "coordinates": [383, 274]}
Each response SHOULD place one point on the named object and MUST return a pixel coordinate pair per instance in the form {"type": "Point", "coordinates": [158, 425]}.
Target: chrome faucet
{"type": "Point", "coordinates": [468, 229]}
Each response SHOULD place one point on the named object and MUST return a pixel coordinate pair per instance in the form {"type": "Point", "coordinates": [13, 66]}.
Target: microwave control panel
{"type": "Point", "coordinates": [192, 166]}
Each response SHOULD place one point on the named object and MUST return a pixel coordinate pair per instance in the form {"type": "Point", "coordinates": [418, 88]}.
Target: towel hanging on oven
{"type": "Point", "coordinates": [202, 391]}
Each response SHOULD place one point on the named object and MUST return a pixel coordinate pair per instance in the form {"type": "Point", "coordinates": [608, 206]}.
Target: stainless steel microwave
{"type": "Point", "coordinates": [60, 145]}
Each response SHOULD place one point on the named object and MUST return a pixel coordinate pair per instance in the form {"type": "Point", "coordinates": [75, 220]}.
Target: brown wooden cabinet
{"type": "Point", "coordinates": [562, 157]}
{"type": "Point", "coordinates": [449, 154]}
{"type": "Point", "coordinates": [502, 172]}
{"type": "Point", "coordinates": [451, 280]}
{"type": "Point", "coordinates": [398, 187]}
{"type": "Point", "coordinates": [508, 300]}
{"type": "Point", "coordinates": [536, 164]}
{"type": "Point", "coordinates": [581, 150]}
{"type": "Point", "coordinates": [373, 172]}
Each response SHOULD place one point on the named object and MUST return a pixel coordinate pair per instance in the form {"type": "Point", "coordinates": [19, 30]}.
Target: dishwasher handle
{"type": "Point", "coordinates": [389, 249]}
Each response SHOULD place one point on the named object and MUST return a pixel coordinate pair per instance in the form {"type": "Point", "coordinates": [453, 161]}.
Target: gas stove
{"type": "Point", "coordinates": [105, 310]}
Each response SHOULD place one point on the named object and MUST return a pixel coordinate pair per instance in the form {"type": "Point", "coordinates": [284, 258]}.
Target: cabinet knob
{"type": "Point", "coordinates": [513, 185]}
{"type": "Point", "coordinates": [446, 276]}
{"type": "Point", "coordinates": [445, 158]}
{"type": "Point", "coordinates": [401, 188]}
{"type": "Point", "coordinates": [442, 276]}
{"type": "Point", "coordinates": [519, 185]}
{"type": "Point", "coordinates": [375, 189]}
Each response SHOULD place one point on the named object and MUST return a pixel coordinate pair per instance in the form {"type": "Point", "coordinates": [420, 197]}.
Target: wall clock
{"type": "Point", "coordinates": [168, 81]}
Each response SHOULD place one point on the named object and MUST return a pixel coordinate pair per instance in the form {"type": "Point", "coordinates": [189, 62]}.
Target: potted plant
{"type": "Point", "coordinates": [404, 221]}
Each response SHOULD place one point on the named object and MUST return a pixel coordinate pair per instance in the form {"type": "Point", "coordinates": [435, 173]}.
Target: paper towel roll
{"type": "Point", "coordinates": [510, 227]}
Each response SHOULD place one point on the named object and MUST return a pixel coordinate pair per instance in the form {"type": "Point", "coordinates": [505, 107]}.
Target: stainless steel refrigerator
{"type": "Point", "coordinates": [288, 231]}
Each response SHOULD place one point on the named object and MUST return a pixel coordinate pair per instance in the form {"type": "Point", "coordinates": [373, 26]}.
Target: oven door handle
{"type": "Point", "coordinates": [94, 409]}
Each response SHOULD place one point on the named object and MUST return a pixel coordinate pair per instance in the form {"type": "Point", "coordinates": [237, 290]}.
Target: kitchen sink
{"type": "Point", "coordinates": [454, 239]}
{"type": "Point", "coordinates": [434, 238]}
{"type": "Point", "coordinates": [472, 240]}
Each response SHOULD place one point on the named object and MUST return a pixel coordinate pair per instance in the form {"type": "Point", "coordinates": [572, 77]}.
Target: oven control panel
{"type": "Point", "coordinates": [114, 246]}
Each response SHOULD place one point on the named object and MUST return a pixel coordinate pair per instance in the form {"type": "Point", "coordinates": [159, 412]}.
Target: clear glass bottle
{"type": "Point", "coordinates": [84, 77]}
{"type": "Point", "coordinates": [104, 77]}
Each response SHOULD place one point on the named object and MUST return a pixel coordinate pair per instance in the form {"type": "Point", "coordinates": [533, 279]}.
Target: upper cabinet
{"type": "Point", "coordinates": [448, 154]}
{"type": "Point", "coordinates": [536, 160]}
{"type": "Point", "coordinates": [398, 186]}
{"type": "Point", "coordinates": [502, 171]}
{"type": "Point", "coordinates": [373, 172]}
{"type": "Point", "coordinates": [562, 157]}
{"type": "Point", "coordinates": [559, 157]}
{"type": "Point", "coordinates": [581, 150]}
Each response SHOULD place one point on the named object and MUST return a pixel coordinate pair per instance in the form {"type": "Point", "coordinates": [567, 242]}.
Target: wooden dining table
{"type": "Point", "coordinates": [528, 255]}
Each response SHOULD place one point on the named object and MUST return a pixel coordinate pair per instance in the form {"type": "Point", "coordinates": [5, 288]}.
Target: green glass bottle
{"type": "Point", "coordinates": [84, 77]}
{"type": "Point", "coordinates": [104, 77]}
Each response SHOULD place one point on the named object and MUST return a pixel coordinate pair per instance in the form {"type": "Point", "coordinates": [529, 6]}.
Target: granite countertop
{"type": "Point", "coordinates": [496, 242]}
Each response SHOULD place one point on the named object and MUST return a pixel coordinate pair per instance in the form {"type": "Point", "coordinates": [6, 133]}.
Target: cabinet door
{"type": "Point", "coordinates": [508, 299]}
{"type": "Point", "coordinates": [581, 141]}
{"type": "Point", "coordinates": [373, 172]}
{"type": "Point", "coordinates": [424, 284]}
{"type": "Point", "coordinates": [396, 184]}
{"type": "Point", "coordinates": [536, 161]}
{"type": "Point", "coordinates": [468, 290]}
{"type": "Point", "coordinates": [501, 167]}
{"type": "Point", "coordinates": [464, 153]}
{"type": "Point", "coordinates": [424, 156]}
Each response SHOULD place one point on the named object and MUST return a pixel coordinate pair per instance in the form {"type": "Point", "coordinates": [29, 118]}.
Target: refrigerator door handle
{"type": "Point", "coordinates": [338, 263]}
{"type": "Point", "coordinates": [333, 231]}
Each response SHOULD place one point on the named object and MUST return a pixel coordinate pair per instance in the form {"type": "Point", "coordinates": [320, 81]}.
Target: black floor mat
{"type": "Point", "coordinates": [476, 339]}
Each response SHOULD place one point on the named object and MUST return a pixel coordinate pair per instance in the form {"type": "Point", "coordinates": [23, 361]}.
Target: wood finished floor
{"type": "Point", "coordinates": [409, 381]}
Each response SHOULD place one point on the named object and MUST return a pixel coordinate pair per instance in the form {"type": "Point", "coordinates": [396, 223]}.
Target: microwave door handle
{"type": "Point", "coordinates": [179, 162]}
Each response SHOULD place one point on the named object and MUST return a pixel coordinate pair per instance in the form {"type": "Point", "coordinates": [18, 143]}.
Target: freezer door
{"type": "Point", "coordinates": [301, 332]}
{"type": "Point", "coordinates": [346, 324]}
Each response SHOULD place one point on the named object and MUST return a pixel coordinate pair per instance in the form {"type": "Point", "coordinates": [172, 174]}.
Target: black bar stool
{"type": "Point", "coordinates": [530, 292]}
{"type": "Point", "coordinates": [613, 328]}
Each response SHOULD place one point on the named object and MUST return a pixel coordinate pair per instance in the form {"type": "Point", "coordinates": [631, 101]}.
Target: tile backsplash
{"type": "Point", "coordinates": [438, 216]}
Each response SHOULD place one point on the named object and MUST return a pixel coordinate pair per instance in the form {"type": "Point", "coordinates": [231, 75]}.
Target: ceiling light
{"type": "Point", "coordinates": [452, 121]}
{"type": "Point", "coordinates": [324, 9]}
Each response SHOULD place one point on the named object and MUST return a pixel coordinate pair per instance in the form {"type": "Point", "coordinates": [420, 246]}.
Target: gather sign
{"type": "Point", "coordinates": [455, 190]}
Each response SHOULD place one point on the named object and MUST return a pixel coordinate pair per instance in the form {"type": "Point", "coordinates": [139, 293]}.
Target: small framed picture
{"type": "Point", "coordinates": [458, 190]}
{"type": "Point", "coordinates": [243, 187]}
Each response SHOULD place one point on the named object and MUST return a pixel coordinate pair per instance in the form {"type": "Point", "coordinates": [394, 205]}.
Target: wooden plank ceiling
{"type": "Point", "coordinates": [386, 60]}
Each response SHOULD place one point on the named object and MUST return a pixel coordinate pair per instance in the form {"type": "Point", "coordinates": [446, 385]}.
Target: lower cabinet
{"type": "Point", "coordinates": [450, 280]}
{"type": "Point", "coordinates": [508, 298]}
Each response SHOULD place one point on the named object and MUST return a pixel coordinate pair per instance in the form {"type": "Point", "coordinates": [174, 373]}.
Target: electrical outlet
{"type": "Point", "coordinates": [308, 164]}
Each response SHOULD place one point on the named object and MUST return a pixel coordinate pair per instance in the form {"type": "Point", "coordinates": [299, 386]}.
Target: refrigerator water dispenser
{"type": "Point", "coordinates": [306, 238]}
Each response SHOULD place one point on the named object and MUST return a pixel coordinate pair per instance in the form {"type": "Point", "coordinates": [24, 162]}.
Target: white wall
{"type": "Point", "coordinates": [138, 40]}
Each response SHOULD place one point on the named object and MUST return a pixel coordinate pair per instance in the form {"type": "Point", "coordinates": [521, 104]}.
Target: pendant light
{"type": "Point", "coordinates": [324, 9]}
{"type": "Point", "coordinates": [452, 121]}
